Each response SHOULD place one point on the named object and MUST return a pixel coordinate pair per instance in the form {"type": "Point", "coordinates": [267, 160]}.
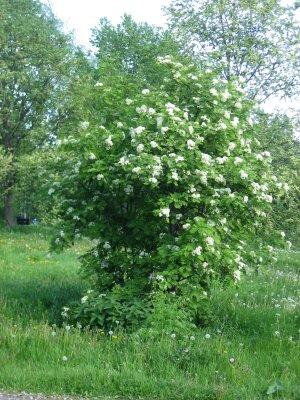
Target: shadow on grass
{"type": "Point", "coordinates": [38, 300]}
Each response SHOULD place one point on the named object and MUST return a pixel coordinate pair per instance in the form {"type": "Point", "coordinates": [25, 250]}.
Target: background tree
{"type": "Point", "coordinates": [5, 164]}
{"type": "Point", "coordinates": [254, 39]}
{"type": "Point", "coordinates": [276, 134]}
{"type": "Point", "coordinates": [132, 48]}
{"type": "Point", "coordinates": [34, 65]}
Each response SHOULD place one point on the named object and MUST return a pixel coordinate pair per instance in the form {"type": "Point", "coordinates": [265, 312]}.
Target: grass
{"type": "Point", "coordinates": [257, 324]}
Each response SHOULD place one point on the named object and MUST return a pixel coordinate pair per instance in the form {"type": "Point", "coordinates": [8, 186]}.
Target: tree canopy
{"type": "Point", "coordinates": [254, 39]}
{"type": "Point", "coordinates": [34, 57]}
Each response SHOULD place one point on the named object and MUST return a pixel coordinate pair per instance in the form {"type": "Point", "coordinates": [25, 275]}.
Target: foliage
{"type": "Point", "coordinates": [174, 193]}
{"type": "Point", "coordinates": [255, 39]}
{"type": "Point", "coordinates": [35, 171]}
{"type": "Point", "coordinates": [131, 48]}
{"type": "Point", "coordinates": [109, 311]}
{"type": "Point", "coordinates": [276, 133]}
{"type": "Point", "coordinates": [35, 63]}
{"type": "Point", "coordinates": [5, 167]}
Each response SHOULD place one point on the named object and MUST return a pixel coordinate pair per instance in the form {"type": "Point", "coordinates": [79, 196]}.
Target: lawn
{"type": "Point", "coordinates": [248, 350]}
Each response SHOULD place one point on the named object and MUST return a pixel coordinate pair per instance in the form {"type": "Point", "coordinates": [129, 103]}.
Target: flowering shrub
{"type": "Point", "coordinates": [174, 194]}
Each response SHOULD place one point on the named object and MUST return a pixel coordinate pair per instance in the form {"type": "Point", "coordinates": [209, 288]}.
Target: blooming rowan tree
{"type": "Point", "coordinates": [174, 194]}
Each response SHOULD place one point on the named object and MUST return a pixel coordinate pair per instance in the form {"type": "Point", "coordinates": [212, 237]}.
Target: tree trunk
{"type": "Point", "coordinates": [8, 210]}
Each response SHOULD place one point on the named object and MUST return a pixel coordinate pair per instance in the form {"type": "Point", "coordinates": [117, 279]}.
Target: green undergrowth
{"type": "Point", "coordinates": [248, 347]}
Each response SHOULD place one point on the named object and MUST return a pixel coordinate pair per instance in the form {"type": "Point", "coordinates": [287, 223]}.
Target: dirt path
{"type": "Point", "coordinates": [26, 396]}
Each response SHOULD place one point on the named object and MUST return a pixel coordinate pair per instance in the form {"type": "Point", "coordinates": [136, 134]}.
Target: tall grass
{"type": "Point", "coordinates": [251, 338]}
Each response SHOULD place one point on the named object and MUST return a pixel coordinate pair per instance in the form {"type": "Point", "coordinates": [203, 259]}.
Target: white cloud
{"type": "Point", "coordinates": [81, 15]}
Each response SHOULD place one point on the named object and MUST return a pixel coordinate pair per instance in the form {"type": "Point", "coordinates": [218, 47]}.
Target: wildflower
{"type": "Point", "coordinates": [124, 161]}
{"type": "Point", "coordinates": [243, 174]}
{"type": "Point", "coordinates": [128, 189]}
{"type": "Point", "coordinates": [175, 176]}
{"type": "Point", "coordinates": [164, 212]}
{"type": "Point", "coordinates": [268, 198]}
{"type": "Point", "coordinates": [153, 144]}
{"type": "Point", "coordinates": [220, 178]}
{"type": "Point", "coordinates": [173, 336]}
{"type": "Point", "coordinates": [238, 160]}
{"type": "Point", "coordinates": [110, 333]}
{"type": "Point", "coordinates": [142, 109]}
{"type": "Point", "coordinates": [231, 360]}
{"type": "Point", "coordinates": [235, 122]}
{"type": "Point", "coordinates": [190, 144]}
{"type": "Point", "coordinates": [266, 154]}
{"type": "Point", "coordinates": [237, 275]}
{"type": "Point", "coordinates": [191, 129]}
{"type": "Point", "coordinates": [192, 337]}
{"type": "Point", "coordinates": [170, 108]}
{"type": "Point", "coordinates": [51, 191]}
{"type": "Point", "coordinates": [108, 141]}
{"type": "Point", "coordinates": [128, 101]}
{"type": "Point", "coordinates": [136, 170]}
{"type": "Point", "coordinates": [100, 177]}
{"type": "Point", "coordinates": [153, 180]}
{"type": "Point", "coordinates": [151, 111]}
{"type": "Point", "coordinates": [65, 358]}
{"type": "Point", "coordinates": [139, 130]}
{"type": "Point", "coordinates": [92, 156]}
{"type": "Point", "coordinates": [159, 121]}
{"type": "Point", "coordinates": [245, 199]}
{"type": "Point", "coordinates": [179, 158]}
{"type": "Point", "coordinates": [206, 158]}
{"type": "Point", "coordinates": [209, 241]}
{"type": "Point", "coordinates": [140, 147]}
{"type": "Point", "coordinates": [277, 333]}
{"type": "Point", "coordinates": [67, 328]}
{"type": "Point", "coordinates": [107, 246]}
{"type": "Point", "coordinates": [225, 95]}
{"type": "Point", "coordinates": [120, 125]}
{"type": "Point", "coordinates": [221, 160]}
{"type": "Point", "coordinates": [98, 84]}
{"type": "Point", "coordinates": [145, 91]}
{"type": "Point", "coordinates": [84, 125]}
{"type": "Point", "coordinates": [222, 125]}
{"type": "Point", "coordinates": [164, 60]}
{"type": "Point", "coordinates": [197, 251]}
{"type": "Point", "coordinates": [213, 91]}
{"type": "Point", "coordinates": [84, 299]}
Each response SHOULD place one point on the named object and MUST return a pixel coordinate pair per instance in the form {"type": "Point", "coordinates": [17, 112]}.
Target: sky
{"type": "Point", "coordinates": [80, 16]}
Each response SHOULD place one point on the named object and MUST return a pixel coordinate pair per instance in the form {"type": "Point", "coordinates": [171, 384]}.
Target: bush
{"type": "Point", "coordinates": [174, 194]}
